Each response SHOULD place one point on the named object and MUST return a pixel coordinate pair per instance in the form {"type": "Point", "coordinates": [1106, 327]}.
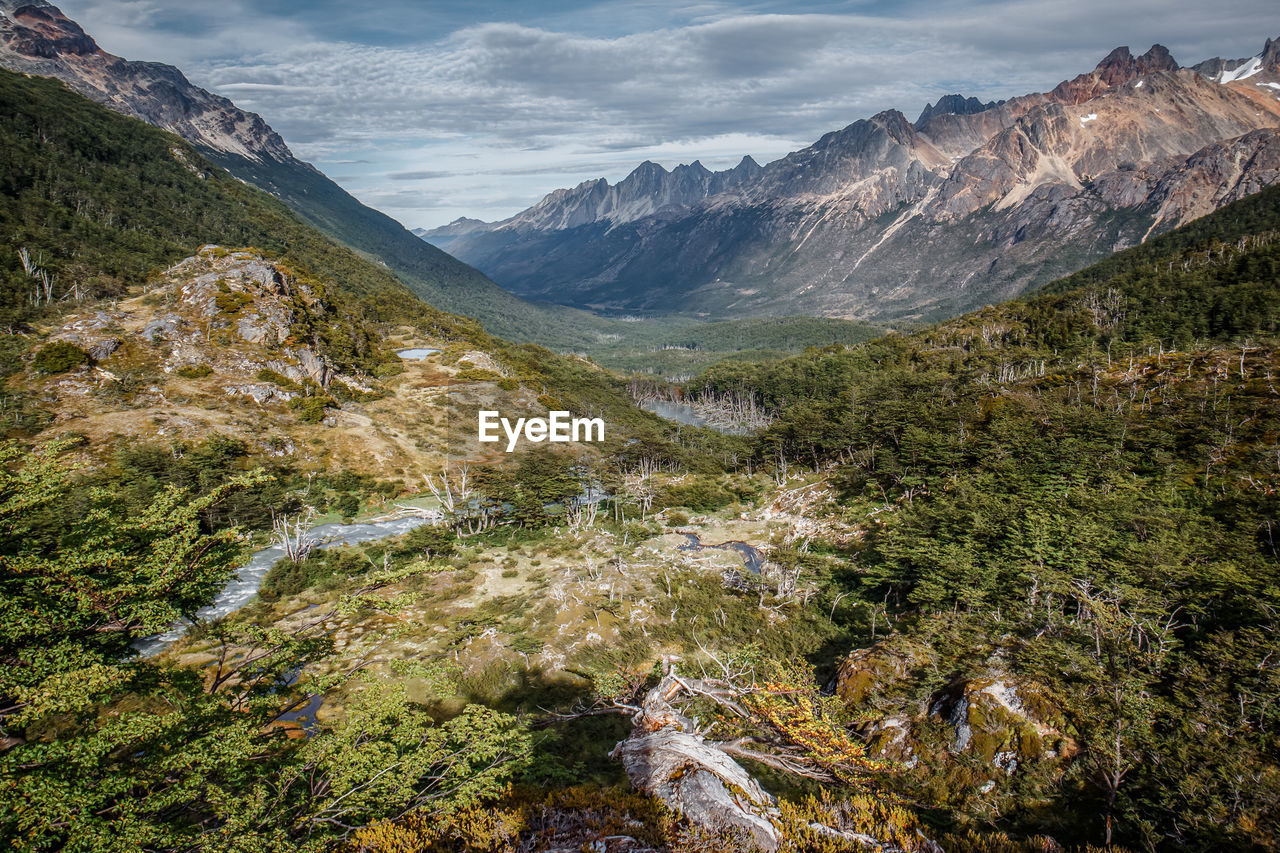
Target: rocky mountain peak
{"type": "Point", "coordinates": [978, 201]}
{"type": "Point", "coordinates": [37, 38]}
{"type": "Point", "coordinates": [896, 124]}
{"type": "Point", "coordinates": [41, 31]}
{"type": "Point", "coordinates": [957, 105]}
{"type": "Point", "coordinates": [1116, 68]}
{"type": "Point", "coordinates": [694, 168]}
{"type": "Point", "coordinates": [648, 167]}
{"type": "Point", "coordinates": [10, 8]}
{"type": "Point", "coordinates": [1120, 66]}
{"type": "Point", "coordinates": [1271, 55]}
{"type": "Point", "coordinates": [1266, 64]}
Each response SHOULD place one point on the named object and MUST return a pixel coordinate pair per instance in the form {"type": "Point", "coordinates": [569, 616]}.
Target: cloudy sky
{"type": "Point", "coordinates": [445, 108]}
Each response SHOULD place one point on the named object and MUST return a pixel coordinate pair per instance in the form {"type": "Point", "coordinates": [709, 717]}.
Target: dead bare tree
{"type": "Point", "coordinates": [639, 482]}
{"type": "Point", "coordinates": [42, 293]}
{"type": "Point", "coordinates": [450, 492]}
{"type": "Point", "coordinates": [581, 515]}
{"type": "Point", "coordinates": [670, 753]}
{"type": "Point", "coordinates": [293, 535]}
{"type": "Point", "coordinates": [463, 506]}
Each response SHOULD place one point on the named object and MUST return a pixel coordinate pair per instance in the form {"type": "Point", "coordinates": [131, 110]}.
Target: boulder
{"type": "Point", "coordinates": [162, 328]}
{"type": "Point", "coordinates": [869, 671]}
{"type": "Point", "coordinates": [260, 392]}
{"type": "Point", "coordinates": [1002, 721]}
{"type": "Point", "coordinates": [102, 349]}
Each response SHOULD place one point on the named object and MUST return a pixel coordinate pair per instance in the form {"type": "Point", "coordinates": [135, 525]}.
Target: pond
{"type": "Point", "coordinates": [418, 354]}
{"type": "Point", "coordinates": [686, 413]}
{"type": "Point", "coordinates": [248, 578]}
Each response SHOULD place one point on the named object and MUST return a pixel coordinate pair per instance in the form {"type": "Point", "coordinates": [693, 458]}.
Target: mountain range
{"type": "Point", "coordinates": [889, 219]}
{"type": "Point", "coordinates": [885, 220]}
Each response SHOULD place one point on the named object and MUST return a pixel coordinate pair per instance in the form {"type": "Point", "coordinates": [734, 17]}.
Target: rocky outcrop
{"type": "Point", "coordinates": [887, 220]}
{"type": "Point", "coordinates": [869, 671]}
{"type": "Point", "coordinates": [984, 727]}
{"type": "Point", "coordinates": [103, 349]}
{"type": "Point", "coordinates": [230, 314]}
{"type": "Point", "coordinates": [1002, 722]}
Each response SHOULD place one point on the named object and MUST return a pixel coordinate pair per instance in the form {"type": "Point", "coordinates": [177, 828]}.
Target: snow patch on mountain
{"type": "Point", "coordinates": [1250, 68]}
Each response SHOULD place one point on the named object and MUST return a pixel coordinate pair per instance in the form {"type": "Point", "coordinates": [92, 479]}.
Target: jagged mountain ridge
{"type": "Point", "coordinates": [37, 38]}
{"type": "Point", "coordinates": [887, 219]}
{"type": "Point", "coordinates": [956, 104]}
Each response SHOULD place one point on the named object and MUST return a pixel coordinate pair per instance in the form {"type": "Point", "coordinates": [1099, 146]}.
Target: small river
{"type": "Point", "coordinates": [752, 559]}
{"type": "Point", "coordinates": [248, 578]}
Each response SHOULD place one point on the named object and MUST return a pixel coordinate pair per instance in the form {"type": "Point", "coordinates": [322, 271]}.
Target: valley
{"type": "Point", "coordinates": [932, 506]}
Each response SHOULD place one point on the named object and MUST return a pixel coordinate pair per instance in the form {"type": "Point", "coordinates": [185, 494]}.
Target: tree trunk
{"type": "Point", "coordinates": [665, 757]}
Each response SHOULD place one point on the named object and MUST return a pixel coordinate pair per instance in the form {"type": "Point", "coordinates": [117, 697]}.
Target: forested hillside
{"type": "Point", "coordinates": [99, 202]}
{"type": "Point", "coordinates": [1076, 494]}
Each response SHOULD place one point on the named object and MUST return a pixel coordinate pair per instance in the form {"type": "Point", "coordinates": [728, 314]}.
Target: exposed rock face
{"type": "Point", "coordinates": [103, 349]}
{"type": "Point", "coordinates": [1001, 722]}
{"type": "Point", "coordinates": [867, 671]}
{"type": "Point", "coordinates": [1116, 68]}
{"type": "Point", "coordinates": [260, 392]}
{"type": "Point", "coordinates": [162, 328]}
{"type": "Point", "coordinates": [993, 724]}
{"type": "Point", "coordinates": [889, 220]}
{"type": "Point", "coordinates": [38, 39]}
{"type": "Point", "coordinates": [212, 293]}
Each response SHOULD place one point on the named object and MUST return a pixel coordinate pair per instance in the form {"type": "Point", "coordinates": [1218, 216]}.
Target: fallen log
{"type": "Point", "coordinates": [667, 758]}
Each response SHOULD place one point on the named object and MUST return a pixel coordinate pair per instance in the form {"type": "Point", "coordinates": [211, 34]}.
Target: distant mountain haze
{"type": "Point", "coordinates": [888, 220]}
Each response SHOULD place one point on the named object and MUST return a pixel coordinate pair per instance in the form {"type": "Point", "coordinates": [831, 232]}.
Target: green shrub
{"type": "Point", "coordinates": [345, 393]}
{"type": "Point", "coordinates": [194, 371]}
{"type": "Point", "coordinates": [59, 357]}
{"type": "Point", "coordinates": [428, 539]}
{"type": "Point", "coordinates": [700, 494]}
{"type": "Point", "coordinates": [268, 375]}
{"type": "Point", "coordinates": [230, 302]}
{"type": "Point", "coordinates": [311, 410]}
{"type": "Point", "coordinates": [348, 505]}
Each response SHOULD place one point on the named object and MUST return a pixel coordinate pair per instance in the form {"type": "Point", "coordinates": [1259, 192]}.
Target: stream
{"type": "Point", "coordinates": [244, 585]}
{"type": "Point", "coordinates": [752, 559]}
